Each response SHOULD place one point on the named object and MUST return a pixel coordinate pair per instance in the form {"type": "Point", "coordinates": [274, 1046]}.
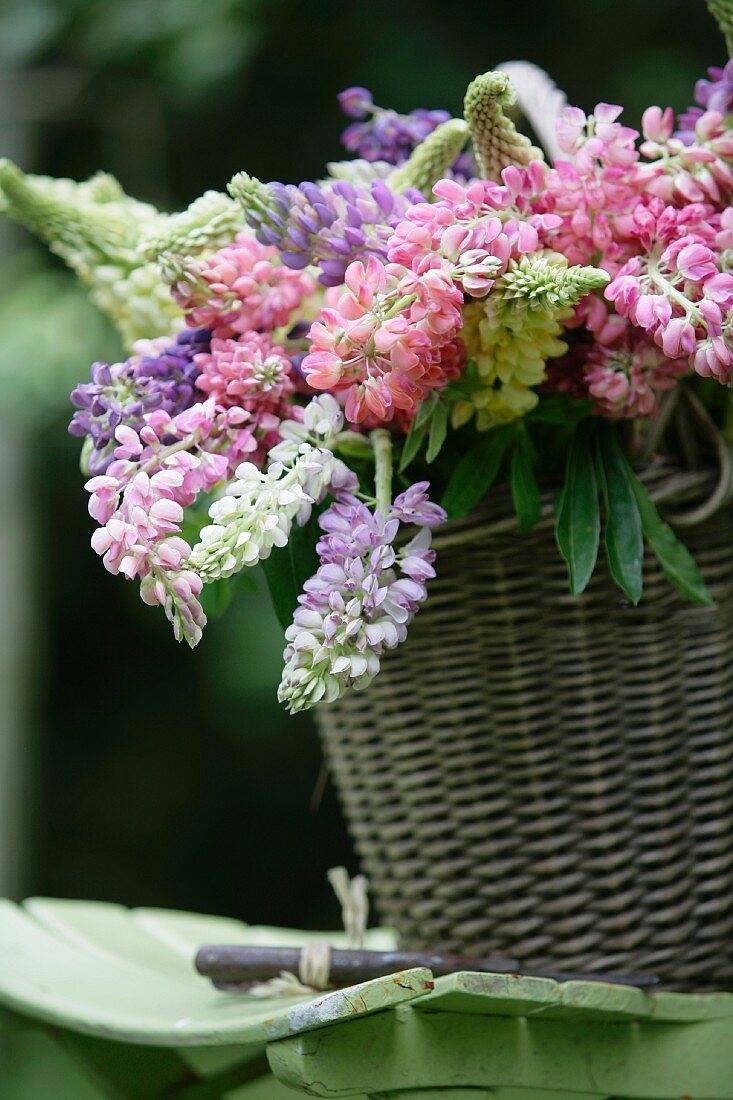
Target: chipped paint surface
{"type": "Point", "coordinates": [356, 1000]}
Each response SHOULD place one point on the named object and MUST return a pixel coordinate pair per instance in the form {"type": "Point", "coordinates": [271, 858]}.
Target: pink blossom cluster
{"type": "Point", "coordinates": [478, 227]}
{"type": "Point", "coordinates": [241, 287]}
{"type": "Point", "coordinates": [663, 229]}
{"type": "Point", "coordinates": [613, 363]}
{"type": "Point", "coordinates": [252, 374]}
{"type": "Point", "coordinates": [594, 188]}
{"type": "Point", "coordinates": [387, 338]}
{"type": "Point", "coordinates": [138, 504]}
{"type": "Point", "coordinates": [675, 290]}
{"type": "Point", "coordinates": [597, 188]}
{"type": "Point", "coordinates": [139, 501]}
{"type": "Point", "coordinates": [680, 173]}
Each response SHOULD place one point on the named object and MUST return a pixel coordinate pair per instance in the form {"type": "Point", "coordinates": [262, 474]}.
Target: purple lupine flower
{"type": "Point", "coordinates": [161, 375]}
{"type": "Point", "coordinates": [362, 599]}
{"type": "Point", "coordinates": [331, 224]}
{"type": "Point", "coordinates": [715, 94]}
{"type": "Point", "coordinates": [356, 102]}
{"type": "Point", "coordinates": [413, 506]}
{"type": "Point", "coordinates": [385, 135]}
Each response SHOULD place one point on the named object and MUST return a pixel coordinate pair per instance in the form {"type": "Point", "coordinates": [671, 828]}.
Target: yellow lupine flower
{"type": "Point", "coordinates": [511, 334]}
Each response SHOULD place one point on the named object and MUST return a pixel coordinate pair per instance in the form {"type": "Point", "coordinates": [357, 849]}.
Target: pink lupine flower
{"type": "Point", "coordinates": [249, 372]}
{"type": "Point", "coordinates": [477, 227]}
{"type": "Point", "coordinates": [676, 290]}
{"type": "Point", "coordinates": [694, 261]}
{"type": "Point", "coordinates": [240, 288]}
{"type": "Point", "coordinates": [657, 126]}
{"type": "Point", "coordinates": [570, 128]}
{"type": "Point", "coordinates": [140, 500]}
{"type": "Point", "coordinates": [383, 338]}
{"type": "Point", "coordinates": [627, 378]}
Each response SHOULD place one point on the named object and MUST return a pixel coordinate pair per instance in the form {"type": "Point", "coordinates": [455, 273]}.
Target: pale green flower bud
{"type": "Point", "coordinates": [496, 141]}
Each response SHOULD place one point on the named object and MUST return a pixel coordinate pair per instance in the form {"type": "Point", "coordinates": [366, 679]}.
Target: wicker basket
{"type": "Point", "coordinates": [549, 776]}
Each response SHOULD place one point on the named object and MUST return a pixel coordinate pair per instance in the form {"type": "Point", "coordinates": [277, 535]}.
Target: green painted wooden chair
{"type": "Point", "coordinates": [100, 1002]}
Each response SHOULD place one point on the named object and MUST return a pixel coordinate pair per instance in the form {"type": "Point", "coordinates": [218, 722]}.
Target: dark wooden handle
{"type": "Point", "coordinates": [237, 966]}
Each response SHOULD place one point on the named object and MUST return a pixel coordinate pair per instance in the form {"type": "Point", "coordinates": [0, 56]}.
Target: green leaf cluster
{"type": "Point", "coordinates": [597, 471]}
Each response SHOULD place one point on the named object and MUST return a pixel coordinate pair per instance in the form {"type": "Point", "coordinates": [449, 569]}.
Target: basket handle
{"type": "Point", "coordinates": [722, 492]}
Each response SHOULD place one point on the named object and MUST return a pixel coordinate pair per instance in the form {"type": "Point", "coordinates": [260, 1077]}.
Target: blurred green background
{"type": "Point", "coordinates": [132, 769]}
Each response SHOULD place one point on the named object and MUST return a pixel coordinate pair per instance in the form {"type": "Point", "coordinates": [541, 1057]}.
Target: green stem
{"type": "Point", "coordinates": [382, 444]}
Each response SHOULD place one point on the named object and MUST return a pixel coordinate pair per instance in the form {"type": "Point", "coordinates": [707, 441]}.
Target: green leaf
{"type": "Point", "coordinates": [216, 597]}
{"type": "Point", "coordinates": [426, 410]}
{"type": "Point", "coordinates": [622, 536]}
{"type": "Point", "coordinates": [438, 432]}
{"type": "Point", "coordinates": [559, 409]}
{"type": "Point", "coordinates": [678, 564]}
{"type": "Point", "coordinates": [411, 446]}
{"type": "Point", "coordinates": [289, 567]}
{"type": "Point", "coordinates": [525, 494]}
{"type": "Point", "coordinates": [476, 472]}
{"type": "Point", "coordinates": [578, 527]}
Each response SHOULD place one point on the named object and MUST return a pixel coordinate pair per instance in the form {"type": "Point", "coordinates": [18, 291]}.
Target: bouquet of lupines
{"type": "Point", "coordinates": [322, 374]}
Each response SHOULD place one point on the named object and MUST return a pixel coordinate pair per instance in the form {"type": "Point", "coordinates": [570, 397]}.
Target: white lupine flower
{"type": "Point", "coordinates": [323, 420]}
{"type": "Point", "coordinates": [258, 511]}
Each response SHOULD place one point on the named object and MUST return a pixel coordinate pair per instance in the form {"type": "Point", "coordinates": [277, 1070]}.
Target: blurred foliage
{"type": "Point", "coordinates": [49, 327]}
{"type": "Point", "coordinates": [164, 776]}
{"type": "Point", "coordinates": [189, 47]}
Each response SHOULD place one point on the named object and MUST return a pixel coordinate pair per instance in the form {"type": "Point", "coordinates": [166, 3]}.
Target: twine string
{"type": "Point", "coordinates": [314, 966]}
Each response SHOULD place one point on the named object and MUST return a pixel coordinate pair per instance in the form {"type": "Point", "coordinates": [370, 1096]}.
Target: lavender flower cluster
{"type": "Point", "coordinates": [715, 94]}
{"type": "Point", "coordinates": [362, 599]}
{"type": "Point", "coordinates": [381, 134]}
{"type": "Point", "coordinates": [160, 376]}
{"type": "Point", "coordinates": [331, 225]}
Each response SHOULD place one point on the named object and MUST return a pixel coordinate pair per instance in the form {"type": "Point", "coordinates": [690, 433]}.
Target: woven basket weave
{"type": "Point", "coordinates": [548, 776]}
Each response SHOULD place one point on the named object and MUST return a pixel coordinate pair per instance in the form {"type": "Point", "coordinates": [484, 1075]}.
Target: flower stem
{"type": "Point", "coordinates": [382, 444]}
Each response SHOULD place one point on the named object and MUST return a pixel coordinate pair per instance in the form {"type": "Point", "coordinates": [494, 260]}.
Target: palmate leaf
{"type": "Point", "coordinates": [622, 534]}
{"type": "Point", "coordinates": [476, 472]}
{"type": "Point", "coordinates": [578, 526]}
{"type": "Point", "coordinates": [678, 564]}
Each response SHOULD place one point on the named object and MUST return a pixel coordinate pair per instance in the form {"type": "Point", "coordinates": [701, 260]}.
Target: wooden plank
{"type": "Point", "coordinates": [514, 995]}
{"type": "Point", "coordinates": [413, 1049]}
{"type": "Point", "coordinates": [691, 1007]}
{"type": "Point", "coordinates": [106, 929]}
{"type": "Point", "coordinates": [490, 994]}
{"type": "Point", "coordinates": [46, 977]}
{"type": "Point", "coordinates": [599, 1001]}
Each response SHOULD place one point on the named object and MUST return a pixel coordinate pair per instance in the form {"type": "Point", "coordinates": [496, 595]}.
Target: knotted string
{"type": "Point", "coordinates": [315, 958]}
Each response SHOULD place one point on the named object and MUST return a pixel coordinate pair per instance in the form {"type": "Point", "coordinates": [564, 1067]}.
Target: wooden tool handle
{"type": "Point", "coordinates": [232, 965]}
